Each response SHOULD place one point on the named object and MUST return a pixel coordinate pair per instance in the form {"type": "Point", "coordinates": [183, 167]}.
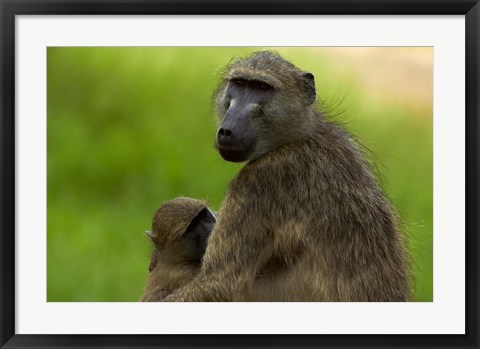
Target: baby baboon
{"type": "Point", "coordinates": [180, 230]}
{"type": "Point", "coordinates": [304, 219]}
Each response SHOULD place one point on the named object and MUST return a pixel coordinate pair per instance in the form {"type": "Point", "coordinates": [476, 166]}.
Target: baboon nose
{"type": "Point", "coordinates": [224, 137]}
{"type": "Point", "coordinates": [224, 132]}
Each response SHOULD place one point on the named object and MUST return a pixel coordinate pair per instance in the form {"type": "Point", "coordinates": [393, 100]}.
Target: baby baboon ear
{"type": "Point", "coordinates": [309, 83]}
{"type": "Point", "coordinates": [154, 237]}
{"type": "Point", "coordinates": [151, 235]}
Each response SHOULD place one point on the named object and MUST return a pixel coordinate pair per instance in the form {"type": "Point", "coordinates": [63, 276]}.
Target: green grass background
{"type": "Point", "coordinates": [129, 128]}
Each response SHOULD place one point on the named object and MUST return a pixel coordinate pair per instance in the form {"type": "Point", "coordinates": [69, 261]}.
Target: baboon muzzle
{"type": "Point", "coordinates": [235, 137]}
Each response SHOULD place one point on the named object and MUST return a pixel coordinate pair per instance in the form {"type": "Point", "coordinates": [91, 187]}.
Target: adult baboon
{"type": "Point", "coordinates": [304, 219]}
{"type": "Point", "coordinates": [180, 230]}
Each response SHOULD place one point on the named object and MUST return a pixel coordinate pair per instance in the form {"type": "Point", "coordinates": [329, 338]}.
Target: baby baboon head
{"type": "Point", "coordinates": [180, 230]}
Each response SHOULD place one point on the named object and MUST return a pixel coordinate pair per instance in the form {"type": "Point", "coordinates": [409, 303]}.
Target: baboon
{"type": "Point", "coordinates": [180, 230]}
{"type": "Point", "coordinates": [304, 219]}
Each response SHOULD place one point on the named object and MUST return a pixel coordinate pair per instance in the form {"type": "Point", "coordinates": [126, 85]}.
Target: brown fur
{"type": "Point", "coordinates": [304, 219]}
{"type": "Point", "coordinates": [175, 259]}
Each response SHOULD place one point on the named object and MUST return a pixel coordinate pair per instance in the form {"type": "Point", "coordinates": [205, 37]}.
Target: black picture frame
{"type": "Point", "coordinates": [11, 8]}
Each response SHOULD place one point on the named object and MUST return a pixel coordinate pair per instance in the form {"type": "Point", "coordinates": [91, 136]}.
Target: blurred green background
{"type": "Point", "coordinates": [129, 128]}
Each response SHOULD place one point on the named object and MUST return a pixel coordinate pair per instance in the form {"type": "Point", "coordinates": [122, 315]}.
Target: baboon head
{"type": "Point", "coordinates": [263, 102]}
{"type": "Point", "coordinates": [180, 230]}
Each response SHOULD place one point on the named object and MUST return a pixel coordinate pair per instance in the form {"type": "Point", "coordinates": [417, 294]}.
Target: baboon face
{"type": "Point", "coordinates": [236, 136]}
{"type": "Point", "coordinates": [258, 102]}
{"type": "Point", "coordinates": [193, 242]}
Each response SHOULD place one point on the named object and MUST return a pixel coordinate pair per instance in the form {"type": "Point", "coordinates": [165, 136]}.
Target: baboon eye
{"type": "Point", "coordinates": [262, 86]}
{"type": "Point", "coordinates": [239, 82]}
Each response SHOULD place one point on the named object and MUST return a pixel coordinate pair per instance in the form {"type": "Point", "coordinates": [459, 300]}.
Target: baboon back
{"type": "Point", "coordinates": [335, 236]}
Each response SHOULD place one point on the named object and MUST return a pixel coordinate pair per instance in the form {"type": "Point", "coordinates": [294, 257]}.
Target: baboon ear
{"type": "Point", "coordinates": [309, 83]}
{"type": "Point", "coordinates": [152, 236]}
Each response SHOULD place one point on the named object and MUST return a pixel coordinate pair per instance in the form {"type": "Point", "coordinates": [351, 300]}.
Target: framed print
{"type": "Point", "coordinates": [108, 117]}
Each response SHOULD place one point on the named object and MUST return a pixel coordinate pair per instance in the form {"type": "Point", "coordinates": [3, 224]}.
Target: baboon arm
{"type": "Point", "coordinates": [239, 245]}
{"type": "Point", "coordinates": [227, 273]}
